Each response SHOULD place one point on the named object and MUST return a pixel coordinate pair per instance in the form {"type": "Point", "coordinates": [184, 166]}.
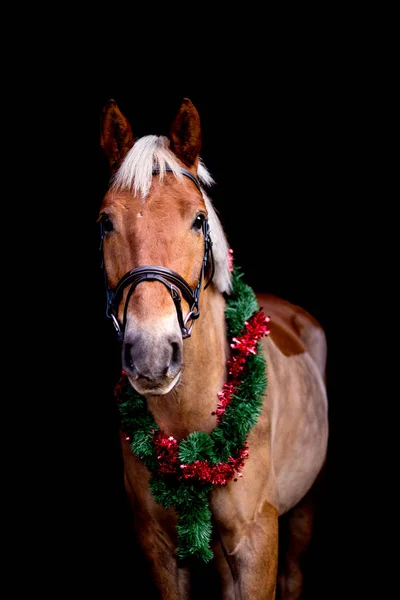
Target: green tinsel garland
{"type": "Point", "coordinates": [189, 498]}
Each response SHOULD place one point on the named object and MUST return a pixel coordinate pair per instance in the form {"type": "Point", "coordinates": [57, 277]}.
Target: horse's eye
{"type": "Point", "coordinates": [198, 222]}
{"type": "Point", "coordinates": [107, 223]}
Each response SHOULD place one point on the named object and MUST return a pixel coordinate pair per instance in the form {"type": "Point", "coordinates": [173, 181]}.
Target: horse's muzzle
{"type": "Point", "coordinates": [152, 365]}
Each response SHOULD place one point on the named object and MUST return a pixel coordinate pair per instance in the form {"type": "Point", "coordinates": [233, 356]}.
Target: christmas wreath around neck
{"type": "Point", "coordinates": [184, 473]}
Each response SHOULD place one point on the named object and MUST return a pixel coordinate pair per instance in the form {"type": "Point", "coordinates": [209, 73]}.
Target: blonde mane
{"type": "Point", "coordinates": [136, 172]}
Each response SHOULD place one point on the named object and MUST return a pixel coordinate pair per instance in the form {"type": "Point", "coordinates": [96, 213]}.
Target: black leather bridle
{"type": "Point", "coordinates": [176, 285]}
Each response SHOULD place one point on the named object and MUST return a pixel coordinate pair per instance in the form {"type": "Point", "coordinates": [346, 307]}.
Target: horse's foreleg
{"type": "Point", "coordinates": [225, 573]}
{"type": "Point", "coordinates": [252, 552]}
{"type": "Point", "coordinates": [171, 580]}
{"type": "Point", "coordinates": [155, 532]}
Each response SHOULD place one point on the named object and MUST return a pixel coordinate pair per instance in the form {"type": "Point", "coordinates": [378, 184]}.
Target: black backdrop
{"type": "Point", "coordinates": [279, 162]}
{"type": "Point", "coordinates": [298, 133]}
{"type": "Point", "coordinates": [276, 163]}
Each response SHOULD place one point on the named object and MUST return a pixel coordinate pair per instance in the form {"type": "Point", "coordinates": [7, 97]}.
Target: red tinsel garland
{"type": "Point", "coordinates": [241, 346]}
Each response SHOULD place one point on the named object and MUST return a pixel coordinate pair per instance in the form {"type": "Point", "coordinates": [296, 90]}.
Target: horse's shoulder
{"type": "Point", "coordinates": [290, 324]}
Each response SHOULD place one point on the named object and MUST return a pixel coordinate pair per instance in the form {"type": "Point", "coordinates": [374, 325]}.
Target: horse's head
{"type": "Point", "coordinates": [155, 221]}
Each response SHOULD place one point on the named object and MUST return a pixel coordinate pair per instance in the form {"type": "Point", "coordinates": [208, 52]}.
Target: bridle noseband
{"type": "Point", "coordinates": [176, 285]}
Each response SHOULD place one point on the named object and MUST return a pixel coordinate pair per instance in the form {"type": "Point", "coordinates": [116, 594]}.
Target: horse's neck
{"type": "Point", "coordinates": [190, 406]}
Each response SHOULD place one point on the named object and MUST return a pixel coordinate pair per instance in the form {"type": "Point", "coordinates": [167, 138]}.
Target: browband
{"type": "Point", "coordinates": [184, 172]}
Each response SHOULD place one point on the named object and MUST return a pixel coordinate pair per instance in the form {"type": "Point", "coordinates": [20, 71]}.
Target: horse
{"type": "Point", "coordinates": [222, 396]}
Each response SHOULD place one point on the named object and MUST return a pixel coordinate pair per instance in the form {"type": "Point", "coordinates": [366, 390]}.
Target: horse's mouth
{"type": "Point", "coordinates": [147, 387]}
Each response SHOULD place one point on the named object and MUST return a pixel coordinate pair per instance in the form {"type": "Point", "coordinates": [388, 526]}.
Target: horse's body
{"type": "Point", "coordinates": [153, 219]}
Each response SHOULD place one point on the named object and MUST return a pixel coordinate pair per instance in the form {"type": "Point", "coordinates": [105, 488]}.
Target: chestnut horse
{"type": "Point", "coordinates": [169, 276]}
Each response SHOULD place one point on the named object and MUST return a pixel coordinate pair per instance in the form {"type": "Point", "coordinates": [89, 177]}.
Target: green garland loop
{"type": "Point", "coordinates": [190, 498]}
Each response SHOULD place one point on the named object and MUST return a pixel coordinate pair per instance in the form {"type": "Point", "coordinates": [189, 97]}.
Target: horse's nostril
{"type": "Point", "coordinates": [175, 353]}
{"type": "Point", "coordinates": [128, 355]}
{"type": "Point", "coordinates": [176, 360]}
{"type": "Point", "coordinates": [128, 360]}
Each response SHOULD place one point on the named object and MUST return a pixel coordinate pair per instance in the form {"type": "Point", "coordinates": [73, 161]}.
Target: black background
{"type": "Point", "coordinates": [279, 138]}
{"type": "Point", "coordinates": [279, 175]}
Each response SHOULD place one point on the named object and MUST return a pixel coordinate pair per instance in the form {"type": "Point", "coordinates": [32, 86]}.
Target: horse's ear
{"type": "Point", "coordinates": [185, 134]}
{"type": "Point", "coordinates": [116, 137]}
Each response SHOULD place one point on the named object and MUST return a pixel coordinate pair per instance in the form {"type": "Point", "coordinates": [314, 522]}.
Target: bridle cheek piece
{"type": "Point", "coordinates": [176, 285]}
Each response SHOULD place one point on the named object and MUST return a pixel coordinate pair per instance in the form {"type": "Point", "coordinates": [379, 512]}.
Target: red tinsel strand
{"type": "Point", "coordinates": [230, 260]}
{"type": "Point", "coordinates": [218, 474]}
{"type": "Point", "coordinates": [167, 452]}
{"type": "Point", "coordinates": [243, 345]}
{"type": "Point", "coordinates": [121, 386]}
